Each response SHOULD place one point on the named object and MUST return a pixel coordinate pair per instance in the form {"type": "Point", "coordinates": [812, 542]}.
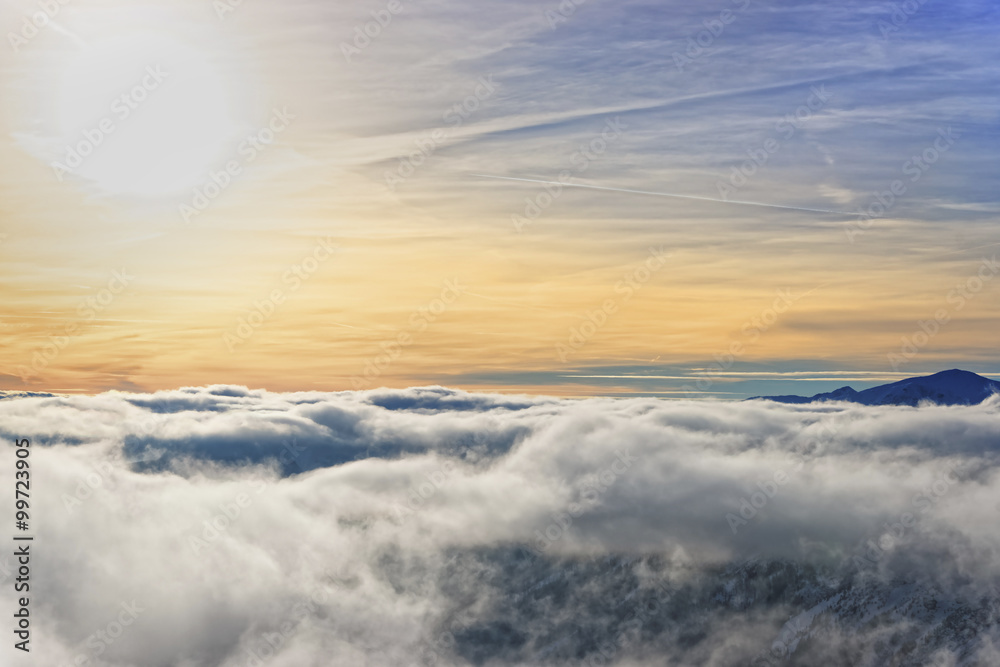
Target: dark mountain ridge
{"type": "Point", "coordinates": [954, 387]}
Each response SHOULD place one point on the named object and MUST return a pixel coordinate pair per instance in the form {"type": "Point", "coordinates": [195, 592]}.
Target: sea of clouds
{"type": "Point", "coordinates": [234, 527]}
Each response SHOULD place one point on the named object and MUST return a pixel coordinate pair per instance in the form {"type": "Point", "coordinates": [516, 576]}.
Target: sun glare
{"type": "Point", "coordinates": [139, 115]}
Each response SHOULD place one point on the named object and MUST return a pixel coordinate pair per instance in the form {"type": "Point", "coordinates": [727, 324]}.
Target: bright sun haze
{"type": "Point", "coordinates": [289, 188]}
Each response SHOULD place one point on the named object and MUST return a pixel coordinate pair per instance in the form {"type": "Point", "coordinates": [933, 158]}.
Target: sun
{"type": "Point", "coordinates": [143, 114]}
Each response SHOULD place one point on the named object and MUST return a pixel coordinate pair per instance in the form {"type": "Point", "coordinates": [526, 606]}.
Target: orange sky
{"type": "Point", "coordinates": [187, 290]}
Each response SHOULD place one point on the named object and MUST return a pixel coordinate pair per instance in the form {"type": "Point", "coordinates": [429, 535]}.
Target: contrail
{"type": "Point", "coordinates": [666, 194]}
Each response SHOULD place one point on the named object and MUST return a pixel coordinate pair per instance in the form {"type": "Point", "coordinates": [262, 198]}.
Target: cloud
{"type": "Point", "coordinates": [382, 526]}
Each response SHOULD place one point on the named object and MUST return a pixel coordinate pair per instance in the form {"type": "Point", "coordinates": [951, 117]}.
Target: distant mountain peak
{"type": "Point", "coordinates": [951, 387]}
{"type": "Point", "coordinates": [23, 394]}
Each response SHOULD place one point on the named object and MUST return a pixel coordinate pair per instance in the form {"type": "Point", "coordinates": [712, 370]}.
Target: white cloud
{"type": "Point", "coordinates": [415, 507]}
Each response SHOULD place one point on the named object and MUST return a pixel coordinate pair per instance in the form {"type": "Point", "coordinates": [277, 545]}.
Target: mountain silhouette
{"type": "Point", "coordinates": [954, 387]}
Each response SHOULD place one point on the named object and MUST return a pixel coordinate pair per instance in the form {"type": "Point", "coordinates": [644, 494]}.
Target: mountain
{"type": "Point", "coordinates": [954, 387]}
{"type": "Point", "coordinates": [612, 610]}
{"type": "Point", "coordinates": [22, 394]}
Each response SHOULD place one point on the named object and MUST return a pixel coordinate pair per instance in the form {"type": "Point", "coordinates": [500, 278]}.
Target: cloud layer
{"type": "Point", "coordinates": [431, 526]}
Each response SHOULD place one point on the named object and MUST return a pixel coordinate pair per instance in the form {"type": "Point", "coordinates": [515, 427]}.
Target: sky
{"type": "Point", "coordinates": [263, 194]}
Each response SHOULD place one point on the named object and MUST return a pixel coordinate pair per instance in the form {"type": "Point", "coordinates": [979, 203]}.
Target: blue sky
{"type": "Point", "coordinates": [821, 106]}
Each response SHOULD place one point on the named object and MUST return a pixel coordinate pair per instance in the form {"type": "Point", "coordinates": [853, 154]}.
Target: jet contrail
{"type": "Point", "coordinates": [665, 194]}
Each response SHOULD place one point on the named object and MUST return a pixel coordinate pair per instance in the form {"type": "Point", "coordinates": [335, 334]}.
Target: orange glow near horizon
{"type": "Point", "coordinates": [300, 265]}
